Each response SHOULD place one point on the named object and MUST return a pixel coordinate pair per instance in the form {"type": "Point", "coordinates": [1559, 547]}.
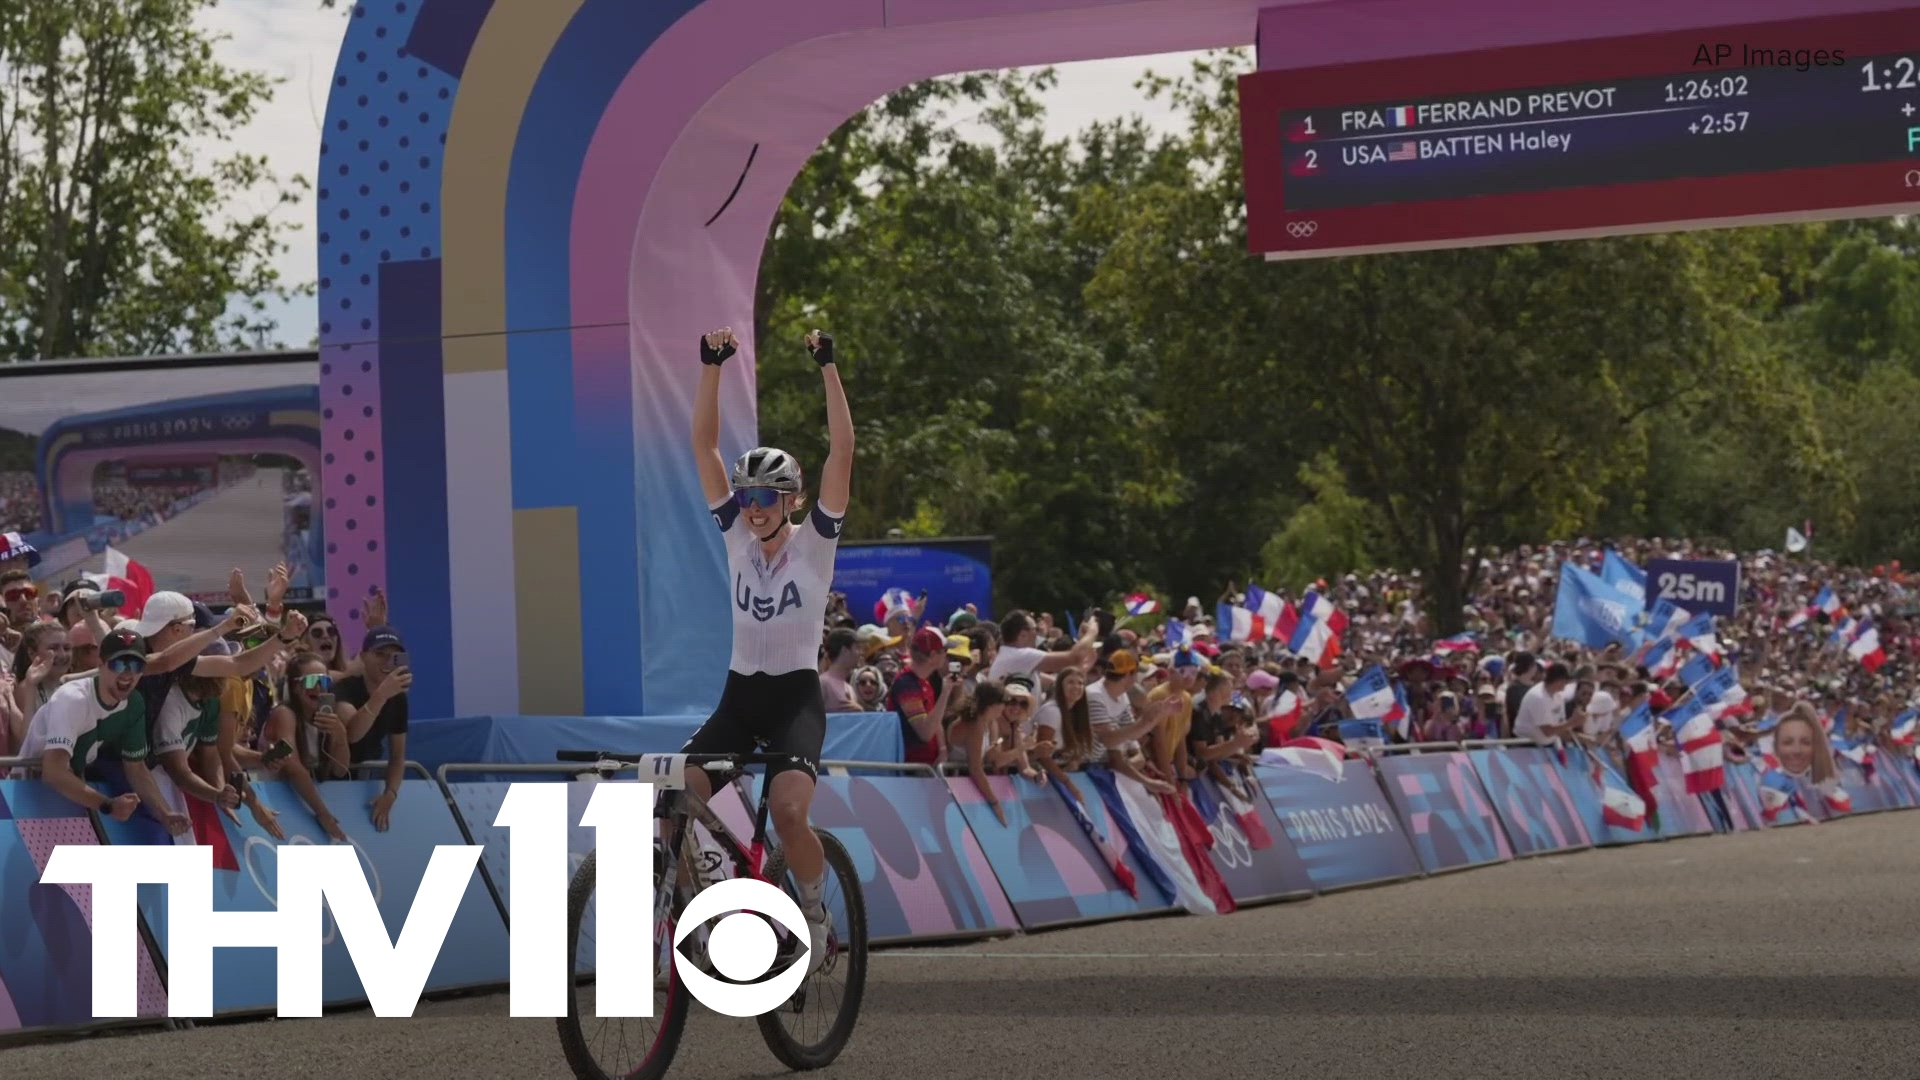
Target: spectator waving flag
{"type": "Point", "coordinates": [129, 577]}
{"type": "Point", "coordinates": [1628, 579]}
{"type": "Point", "coordinates": [1697, 670]}
{"type": "Point", "coordinates": [1662, 658]}
{"type": "Point", "coordinates": [1664, 620]}
{"type": "Point", "coordinates": [1283, 716]}
{"type": "Point", "coordinates": [1903, 728]}
{"type": "Point", "coordinates": [1375, 697]}
{"type": "Point", "coordinates": [1141, 604]}
{"type": "Point", "coordinates": [1700, 747]}
{"type": "Point", "coordinates": [1458, 643]}
{"type": "Point", "coordinates": [1238, 624]}
{"type": "Point", "coordinates": [1722, 693]}
{"type": "Point", "coordinates": [1828, 603]}
{"type": "Point", "coordinates": [1176, 634]}
{"type": "Point", "coordinates": [1362, 734]}
{"type": "Point", "coordinates": [1619, 807]}
{"type": "Point", "coordinates": [1270, 609]}
{"type": "Point", "coordinates": [1864, 646]}
{"type": "Point", "coordinates": [1316, 638]}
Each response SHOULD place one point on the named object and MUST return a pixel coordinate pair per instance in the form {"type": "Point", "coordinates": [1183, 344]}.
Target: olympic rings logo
{"type": "Point", "coordinates": [254, 870]}
{"type": "Point", "coordinates": [1300, 230]}
{"type": "Point", "coordinates": [1230, 844]}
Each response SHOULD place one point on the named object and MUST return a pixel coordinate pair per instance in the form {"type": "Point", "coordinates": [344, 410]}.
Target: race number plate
{"type": "Point", "coordinates": [666, 772]}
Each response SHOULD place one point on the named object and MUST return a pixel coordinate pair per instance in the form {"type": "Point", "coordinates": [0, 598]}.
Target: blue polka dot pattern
{"type": "Point", "coordinates": [380, 161]}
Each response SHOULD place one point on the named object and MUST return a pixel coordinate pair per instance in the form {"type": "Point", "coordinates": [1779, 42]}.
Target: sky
{"type": "Point", "coordinates": [296, 41]}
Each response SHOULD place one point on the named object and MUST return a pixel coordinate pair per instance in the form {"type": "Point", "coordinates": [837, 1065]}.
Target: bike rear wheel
{"type": "Point", "coordinates": [618, 1048]}
{"type": "Point", "coordinates": [811, 1028]}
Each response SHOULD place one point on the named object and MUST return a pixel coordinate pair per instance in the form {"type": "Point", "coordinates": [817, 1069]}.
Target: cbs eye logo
{"type": "Point", "coordinates": [742, 947]}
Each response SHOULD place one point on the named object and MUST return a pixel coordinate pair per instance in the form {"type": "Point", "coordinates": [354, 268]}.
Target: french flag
{"type": "Point", "coordinates": [1621, 808]}
{"type": "Point", "coordinates": [1826, 601]}
{"type": "Point", "coordinates": [1322, 757]}
{"type": "Point", "coordinates": [1665, 618]}
{"type": "Point", "coordinates": [1723, 694]}
{"type": "Point", "coordinates": [1839, 801]}
{"type": "Point", "coordinates": [1375, 697]}
{"type": "Point", "coordinates": [1244, 815]}
{"type": "Point", "coordinates": [1401, 116]}
{"type": "Point", "coordinates": [1778, 793]}
{"type": "Point", "coordinates": [1663, 658]}
{"type": "Point", "coordinates": [1699, 635]}
{"type": "Point", "coordinates": [891, 601]}
{"type": "Point", "coordinates": [1239, 624]}
{"type": "Point", "coordinates": [129, 577]}
{"type": "Point", "coordinates": [1458, 643]}
{"type": "Point", "coordinates": [1643, 751]}
{"type": "Point", "coordinates": [1267, 606]}
{"type": "Point", "coordinates": [1122, 873]}
{"type": "Point", "coordinates": [1283, 717]}
{"type": "Point", "coordinates": [1317, 637]}
{"type": "Point", "coordinates": [1176, 633]}
{"type": "Point", "coordinates": [1142, 604]}
{"type": "Point", "coordinates": [1701, 752]}
{"type": "Point", "coordinates": [1903, 728]}
{"type": "Point", "coordinates": [1865, 646]}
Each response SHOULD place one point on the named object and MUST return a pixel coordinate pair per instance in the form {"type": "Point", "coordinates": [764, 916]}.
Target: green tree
{"type": "Point", "coordinates": [114, 239]}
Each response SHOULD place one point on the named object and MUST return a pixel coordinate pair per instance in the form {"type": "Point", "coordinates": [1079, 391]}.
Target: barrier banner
{"type": "Point", "coordinates": [477, 803]}
{"type": "Point", "coordinates": [533, 740]}
{"type": "Point", "coordinates": [1680, 811]}
{"type": "Point", "coordinates": [1743, 795]}
{"type": "Point", "coordinates": [46, 931]}
{"type": "Point", "coordinates": [1340, 823]}
{"type": "Point", "coordinates": [1250, 847]}
{"type": "Point", "coordinates": [1868, 796]}
{"type": "Point", "coordinates": [244, 980]}
{"type": "Point", "coordinates": [922, 870]}
{"type": "Point", "coordinates": [1444, 809]}
{"type": "Point", "coordinates": [1532, 801]}
{"type": "Point", "coordinates": [1051, 872]}
{"type": "Point", "coordinates": [1577, 777]}
{"type": "Point", "coordinates": [1901, 776]}
{"type": "Point", "coordinates": [1167, 852]}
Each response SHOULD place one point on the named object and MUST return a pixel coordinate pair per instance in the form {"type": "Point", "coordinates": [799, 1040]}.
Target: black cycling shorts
{"type": "Point", "coordinates": [766, 714]}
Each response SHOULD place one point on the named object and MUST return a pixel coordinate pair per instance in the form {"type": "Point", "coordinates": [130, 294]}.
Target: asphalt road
{"type": "Point", "coordinates": [1793, 954]}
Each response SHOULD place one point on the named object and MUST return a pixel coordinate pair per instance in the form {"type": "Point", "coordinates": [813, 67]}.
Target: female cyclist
{"type": "Point", "coordinates": [780, 574]}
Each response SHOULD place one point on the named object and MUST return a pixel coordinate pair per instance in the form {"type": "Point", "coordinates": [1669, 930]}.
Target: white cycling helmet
{"type": "Point", "coordinates": [763, 466]}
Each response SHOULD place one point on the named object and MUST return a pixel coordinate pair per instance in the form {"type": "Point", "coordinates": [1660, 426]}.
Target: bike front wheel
{"type": "Point", "coordinates": [617, 1048]}
{"type": "Point", "coordinates": [812, 1027]}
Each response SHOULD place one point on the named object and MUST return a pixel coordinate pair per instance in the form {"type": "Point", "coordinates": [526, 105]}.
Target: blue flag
{"type": "Point", "coordinates": [1591, 612]}
{"type": "Point", "coordinates": [1696, 671]}
{"type": "Point", "coordinates": [1629, 579]}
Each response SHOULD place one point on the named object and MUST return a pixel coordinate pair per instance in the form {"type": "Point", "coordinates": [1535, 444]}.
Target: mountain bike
{"type": "Point", "coordinates": [810, 1029]}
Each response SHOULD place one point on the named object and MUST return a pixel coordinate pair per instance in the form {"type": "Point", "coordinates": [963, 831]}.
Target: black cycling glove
{"type": "Point", "coordinates": [822, 352]}
{"type": "Point", "coordinates": [710, 355]}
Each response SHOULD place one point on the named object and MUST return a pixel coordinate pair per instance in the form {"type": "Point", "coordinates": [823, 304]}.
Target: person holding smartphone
{"type": "Point", "coordinates": [373, 705]}
{"type": "Point", "coordinates": [304, 738]}
{"type": "Point", "coordinates": [921, 694]}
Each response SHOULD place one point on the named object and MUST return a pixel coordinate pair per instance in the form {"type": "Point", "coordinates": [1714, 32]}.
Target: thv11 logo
{"type": "Point", "coordinates": [394, 972]}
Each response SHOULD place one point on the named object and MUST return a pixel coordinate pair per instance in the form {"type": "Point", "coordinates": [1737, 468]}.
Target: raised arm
{"type": "Point", "coordinates": [836, 477]}
{"type": "Point", "coordinates": [715, 348]}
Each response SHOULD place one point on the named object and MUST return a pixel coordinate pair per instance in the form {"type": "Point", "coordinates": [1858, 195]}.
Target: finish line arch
{"type": "Point", "coordinates": [525, 222]}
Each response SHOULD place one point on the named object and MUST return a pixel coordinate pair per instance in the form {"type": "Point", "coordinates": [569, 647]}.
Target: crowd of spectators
{"type": "Point", "coordinates": [113, 496]}
{"type": "Point", "coordinates": [1027, 694]}
{"type": "Point", "coordinates": [92, 692]}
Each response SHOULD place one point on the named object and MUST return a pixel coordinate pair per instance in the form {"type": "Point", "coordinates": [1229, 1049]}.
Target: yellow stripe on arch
{"type": "Point", "coordinates": [496, 82]}
{"type": "Point", "coordinates": [500, 72]}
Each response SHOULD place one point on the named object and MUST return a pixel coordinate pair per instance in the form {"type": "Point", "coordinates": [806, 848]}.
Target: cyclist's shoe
{"type": "Point", "coordinates": [818, 926]}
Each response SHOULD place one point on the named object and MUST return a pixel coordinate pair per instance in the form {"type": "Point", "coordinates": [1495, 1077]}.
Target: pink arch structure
{"type": "Point", "coordinates": [528, 211]}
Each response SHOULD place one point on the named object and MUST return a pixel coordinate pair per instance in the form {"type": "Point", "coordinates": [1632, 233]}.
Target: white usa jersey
{"type": "Point", "coordinates": [779, 607]}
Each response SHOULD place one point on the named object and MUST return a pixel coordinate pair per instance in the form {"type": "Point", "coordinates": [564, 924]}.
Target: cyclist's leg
{"type": "Point", "coordinates": [800, 733]}
{"type": "Point", "coordinates": [725, 732]}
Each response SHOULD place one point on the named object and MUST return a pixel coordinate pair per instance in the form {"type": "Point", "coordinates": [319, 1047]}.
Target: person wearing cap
{"type": "Point", "coordinates": [102, 711]}
{"type": "Point", "coordinates": [1168, 742]}
{"type": "Point", "coordinates": [1020, 653]}
{"type": "Point", "coordinates": [373, 706]}
{"type": "Point", "coordinates": [839, 655]}
{"type": "Point", "coordinates": [186, 737]}
{"type": "Point", "coordinates": [920, 694]}
{"type": "Point", "coordinates": [1110, 707]}
{"type": "Point", "coordinates": [872, 641]}
{"type": "Point", "coordinates": [16, 553]}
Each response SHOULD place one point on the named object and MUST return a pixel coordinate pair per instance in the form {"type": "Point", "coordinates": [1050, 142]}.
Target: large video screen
{"type": "Point", "coordinates": [191, 468]}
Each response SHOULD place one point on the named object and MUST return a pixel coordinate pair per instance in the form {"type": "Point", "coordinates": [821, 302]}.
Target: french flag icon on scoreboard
{"type": "Point", "coordinates": [1400, 116]}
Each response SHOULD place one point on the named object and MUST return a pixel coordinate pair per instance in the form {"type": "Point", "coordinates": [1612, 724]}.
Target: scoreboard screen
{"type": "Point", "coordinates": [1785, 121]}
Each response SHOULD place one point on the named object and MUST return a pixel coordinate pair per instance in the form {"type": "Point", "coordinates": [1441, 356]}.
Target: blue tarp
{"type": "Point", "coordinates": [535, 739]}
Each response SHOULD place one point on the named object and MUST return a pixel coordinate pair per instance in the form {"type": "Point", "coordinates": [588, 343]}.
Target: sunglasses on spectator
{"type": "Point", "coordinates": [21, 592]}
{"type": "Point", "coordinates": [764, 498]}
{"type": "Point", "coordinates": [127, 665]}
{"type": "Point", "coordinates": [321, 631]}
{"type": "Point", "coordinates": [317, 682]}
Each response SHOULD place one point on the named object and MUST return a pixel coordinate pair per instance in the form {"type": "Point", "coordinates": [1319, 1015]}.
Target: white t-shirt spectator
{"type": "Point", "coordinates": [1109, 714]}
{"type": "Point", "coordinates": [1015, 661]}
{"type": "Point", "coordinates": [74, 720]}
{"type": "Point", "coordinates": [1538, 709]}
{"type": "Point", "coordinates": [1603, 711]}
{"type": "Point", "coordinates": [1047, 715]}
